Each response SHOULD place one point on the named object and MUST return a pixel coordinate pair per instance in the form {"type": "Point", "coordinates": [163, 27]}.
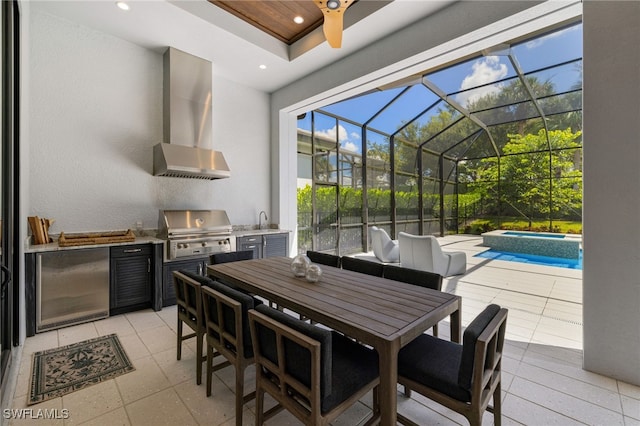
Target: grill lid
{"type": "Point", "coordinates": [175, 223]}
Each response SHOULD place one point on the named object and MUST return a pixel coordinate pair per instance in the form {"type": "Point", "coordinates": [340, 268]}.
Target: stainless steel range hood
{"type": "Point", "coordinates": [187, 148]}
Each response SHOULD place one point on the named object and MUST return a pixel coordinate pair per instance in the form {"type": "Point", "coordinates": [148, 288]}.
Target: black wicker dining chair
{"type": "Point", "coordinates": [227, 333]}
{"type": "Point", "coordinates": [188, 291]}
{"type": "Point", "coordinates": [463, 378]}
{"type": "Point", "coordinates": [413, 276]}
{"type": "Point", "coordinates": [314, 373]}
{"type": "Point", "coordinates": [324, 258]}
{"type": "Point", "coordinates": [233, 256]}
{"type": "Point", "coordinates": [362, 266]}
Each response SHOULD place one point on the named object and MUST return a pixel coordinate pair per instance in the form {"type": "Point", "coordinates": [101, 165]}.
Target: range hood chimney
{"type": "Point", "coordinates": [187, 148]}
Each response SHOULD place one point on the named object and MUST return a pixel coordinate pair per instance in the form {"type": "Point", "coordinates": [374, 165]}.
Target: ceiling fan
{"type": "Point", "coordinates": [333, 11]}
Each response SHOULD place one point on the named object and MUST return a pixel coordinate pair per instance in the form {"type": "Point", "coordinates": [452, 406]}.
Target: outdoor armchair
{"type": "Point", "coordinates": [384, 248]}
{"type": "Point", "coordinates": [423, 252]}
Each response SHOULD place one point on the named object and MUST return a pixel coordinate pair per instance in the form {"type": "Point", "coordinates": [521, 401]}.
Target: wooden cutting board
{"type": "Point", "coordinates": [96, 238]}
{"type": "Point", "coordinates": [37, 230]}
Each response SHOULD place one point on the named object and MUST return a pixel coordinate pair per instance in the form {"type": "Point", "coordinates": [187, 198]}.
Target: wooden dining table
{"type": "Point", "coordinates": [379, 312]}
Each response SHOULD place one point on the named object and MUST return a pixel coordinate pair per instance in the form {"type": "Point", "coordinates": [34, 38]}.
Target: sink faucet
{"type": "Point", "coordinates": [262, 212]}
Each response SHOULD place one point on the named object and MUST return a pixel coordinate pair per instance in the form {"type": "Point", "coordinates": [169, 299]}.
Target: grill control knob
{"type": "Point", "coordinates": [204, 244]}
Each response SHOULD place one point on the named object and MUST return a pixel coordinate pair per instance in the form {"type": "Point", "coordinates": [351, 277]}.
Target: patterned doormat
{"type": "Point", "coordinates": [59, 371]}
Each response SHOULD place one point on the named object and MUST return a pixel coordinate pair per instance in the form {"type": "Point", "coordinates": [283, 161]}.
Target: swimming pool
{"type": "Point", "coordinates": [535, 243]}
{"type": "Point", "coordinates": [559, 262]}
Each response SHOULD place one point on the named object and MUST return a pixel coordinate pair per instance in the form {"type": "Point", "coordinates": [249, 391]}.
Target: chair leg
{"type": "Point", "coordinates": [407, 391]}
{"type": "Point", "coordinates": [209, 368]}
{"type": "Point", "coordinates": [179, 346]}
{"type": "Point", "coordinates": [259, 405]}
{"type": "Point", "coordinates": [376, 400]}
{"type": "Point", "coordinates": [497, 405]}
{"type": "Point", "coordinates": [435, 330]}
{"type": "Point", "coordinates": [199, 358]}
{"type": "Point", "coordinates": [239, 394]}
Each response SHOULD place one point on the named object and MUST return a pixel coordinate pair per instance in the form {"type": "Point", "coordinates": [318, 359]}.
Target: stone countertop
{"type": "Point", "coordinates": [237, 232]}
{"type": "Point", "coordinates": [247, 232]}
{"type": "Point", "coordinates": [38, 248]}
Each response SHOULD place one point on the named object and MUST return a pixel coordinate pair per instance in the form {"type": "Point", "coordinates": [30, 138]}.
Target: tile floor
{"type": "Point", "coordinates": [543, 382]}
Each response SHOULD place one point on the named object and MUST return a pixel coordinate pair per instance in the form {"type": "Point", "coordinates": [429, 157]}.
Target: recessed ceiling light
{"type": "Point", "coordinates": [298, 19]}
{"type": "Point", "coordinates": [122, 5]}
{"type": "Point", "coordinates": [262, 67]}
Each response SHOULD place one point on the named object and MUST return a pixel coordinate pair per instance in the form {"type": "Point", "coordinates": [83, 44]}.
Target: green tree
{"type": "Point", "coordinates": [529, 184]}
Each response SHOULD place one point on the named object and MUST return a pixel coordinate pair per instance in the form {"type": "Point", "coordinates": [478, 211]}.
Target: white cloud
{"type": "Point", "coordinates": [484, 71]}
{"type": "Point", "coordinates": [348, 142]}
{"type": "Point", "coordinates": [331, 133]}
{"type": "Point", "coordinates": [350, 147]}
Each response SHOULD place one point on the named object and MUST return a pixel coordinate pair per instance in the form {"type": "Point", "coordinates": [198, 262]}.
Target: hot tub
{"type": "Point", "coordinates": [539, 243]}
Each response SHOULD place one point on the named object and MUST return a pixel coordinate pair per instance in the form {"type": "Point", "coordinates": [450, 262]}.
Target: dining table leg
{"type": "Point", "coordinates": [456, 324]}
{"type": "Point", "coordinates": [388, 362]}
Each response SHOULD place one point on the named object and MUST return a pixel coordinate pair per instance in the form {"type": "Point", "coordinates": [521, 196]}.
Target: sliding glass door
{"type": "Point", "coordinates": [9, 119]}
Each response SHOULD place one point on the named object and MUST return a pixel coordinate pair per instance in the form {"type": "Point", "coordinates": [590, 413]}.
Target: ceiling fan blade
{"type": "Point", "coordinates": [332, 29]}
{"type": "Point", "coordinates": [333, 20]}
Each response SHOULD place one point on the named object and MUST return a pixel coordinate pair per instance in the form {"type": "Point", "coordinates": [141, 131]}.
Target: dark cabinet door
{"type": "Point", "coordinates": [197, 266]}
{"type": "Point", "coordinates": [276, 245]}
{"type": "Point", "coordinates": [131, 278]}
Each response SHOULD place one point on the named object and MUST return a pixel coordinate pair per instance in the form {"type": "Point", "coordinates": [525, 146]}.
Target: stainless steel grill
{"type": "Point", "coordinates": [195, 233]}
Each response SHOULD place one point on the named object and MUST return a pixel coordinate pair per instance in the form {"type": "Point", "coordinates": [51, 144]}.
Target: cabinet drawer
{"type": "Point", "coordinates": [131, 250]}
{"type": "Point", "coordinates": [252, 239]}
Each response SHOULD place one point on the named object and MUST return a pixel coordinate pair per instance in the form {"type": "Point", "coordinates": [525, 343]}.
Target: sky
{"type": "Point", "coordinates": [483, 73]}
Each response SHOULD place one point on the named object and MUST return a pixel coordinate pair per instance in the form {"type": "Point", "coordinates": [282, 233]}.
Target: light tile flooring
{"type": "Point", "coordinates": [543, 382]}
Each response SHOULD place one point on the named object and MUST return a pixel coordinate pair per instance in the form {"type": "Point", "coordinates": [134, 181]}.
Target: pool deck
{"type": "Point", "coordinates": [544, 302]}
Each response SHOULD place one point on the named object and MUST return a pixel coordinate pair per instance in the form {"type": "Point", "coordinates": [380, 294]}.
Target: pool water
{"type": "Point", "coordinates": [559, 262]}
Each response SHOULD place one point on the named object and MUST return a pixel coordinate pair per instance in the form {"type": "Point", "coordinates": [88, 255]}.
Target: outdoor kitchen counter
{"type": "Point", "coordinates": [37, 248]}
{"type": "Point", "coordinates": [133, 277]}
{"type": "Point", "coordinates": [267, 231]}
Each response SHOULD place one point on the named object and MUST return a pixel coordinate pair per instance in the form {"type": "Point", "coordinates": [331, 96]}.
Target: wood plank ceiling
{"type": "Point", "coordinates": [276, 17]}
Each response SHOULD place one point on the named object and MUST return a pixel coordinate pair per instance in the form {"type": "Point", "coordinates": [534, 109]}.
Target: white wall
{"type": "Point", "coordinates": [96, 113]}
{"type": "Point", "coordinates": [611, 112]}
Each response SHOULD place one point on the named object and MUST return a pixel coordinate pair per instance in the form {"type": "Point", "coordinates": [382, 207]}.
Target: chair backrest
{"type": "Point", "coordinates": [324, 258]}
{"type": "Point", "coordinates": [384, 248]}
{"type": "Point", "coordinates": [187, 287]}
{"type": "Point", "coordinates": [361, 265]}
{"type": "Point", "coordinates": [233, 256]}
{"type": "Point", "coordinates": [304, 351]}
{"type": "Point", "coordinates": [413, 276]}
{"type": "Point", "coordinates": [422, 252]}
{"type": "Point", "coordinates": [379, 238]}
{"type": "Point", "coordinates": [482, 345]}
{"type": "Point", "coordinates": [227, 322]}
